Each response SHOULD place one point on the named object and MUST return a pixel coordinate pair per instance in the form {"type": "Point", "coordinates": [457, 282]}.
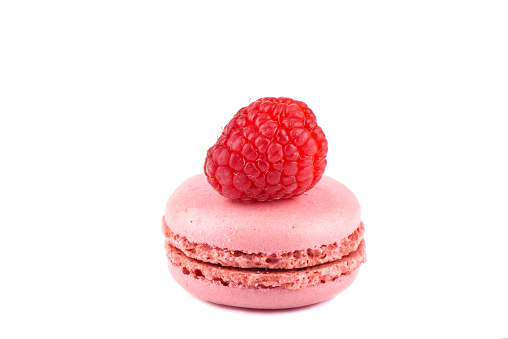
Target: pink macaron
{"type": "Point", "coordinates": [271, 255]}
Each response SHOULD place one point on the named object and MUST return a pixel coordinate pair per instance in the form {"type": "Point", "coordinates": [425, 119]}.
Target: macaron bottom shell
{"type": "Point", "coordinates": [264, 288]}
{"type": "Point", "coordinates": [261, 298]}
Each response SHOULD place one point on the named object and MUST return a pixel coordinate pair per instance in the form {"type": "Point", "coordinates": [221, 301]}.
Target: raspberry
{"type": "Point", "coordinates": [272, 149]}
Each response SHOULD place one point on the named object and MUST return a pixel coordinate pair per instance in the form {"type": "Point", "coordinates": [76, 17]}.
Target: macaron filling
{"type": "Point", "coordinates": [276, 260]}
{"type": "Point", "coordinates": [290, 270]}
{"type": "Point", "coordinates": [267, 278]}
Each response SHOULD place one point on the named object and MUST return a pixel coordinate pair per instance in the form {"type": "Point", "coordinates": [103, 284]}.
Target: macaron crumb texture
{"type": "Point", "coordinates": [275, 260]}
{"type": "Point", "coordinates": [267, 278]}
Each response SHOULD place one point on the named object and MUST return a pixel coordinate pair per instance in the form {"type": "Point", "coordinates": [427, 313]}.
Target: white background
{"type": "Point", "coordinates": [106, 106]}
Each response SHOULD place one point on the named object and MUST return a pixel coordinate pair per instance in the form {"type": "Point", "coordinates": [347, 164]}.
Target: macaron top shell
{"type": "Point", "coordinates": [325, 214]}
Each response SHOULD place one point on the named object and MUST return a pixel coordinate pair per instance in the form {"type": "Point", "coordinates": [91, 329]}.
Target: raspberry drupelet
{"type": "Point", "coordinates": [271, 149]}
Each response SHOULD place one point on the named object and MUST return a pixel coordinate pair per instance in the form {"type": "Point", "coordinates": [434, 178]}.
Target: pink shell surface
{"type": "Point", "coordinates": [274, 298]}
{"type": "Point", "coordinates": [326, 214]}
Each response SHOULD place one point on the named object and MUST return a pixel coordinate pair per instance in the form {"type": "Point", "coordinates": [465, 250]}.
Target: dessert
{"type": "Point", "coordinates": [280, 234]}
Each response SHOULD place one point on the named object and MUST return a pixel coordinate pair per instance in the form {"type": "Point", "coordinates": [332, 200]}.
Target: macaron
{"type": "Point", "coordinates": [271, 255]}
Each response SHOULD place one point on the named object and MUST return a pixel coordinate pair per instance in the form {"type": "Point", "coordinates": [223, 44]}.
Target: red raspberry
{"type": "Point", "coordinates": [272, 149]}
